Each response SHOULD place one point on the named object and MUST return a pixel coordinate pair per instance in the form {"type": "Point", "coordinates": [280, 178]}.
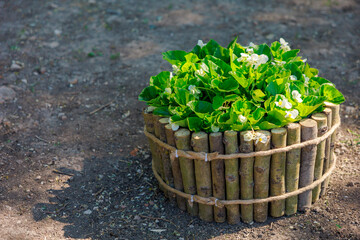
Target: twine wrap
{"type": "Point", "coordinates": [222, 203]}
{"type": "Point", "coordinates": [175, 153]}
{"type": "Point", "coordinates": [214, 156]}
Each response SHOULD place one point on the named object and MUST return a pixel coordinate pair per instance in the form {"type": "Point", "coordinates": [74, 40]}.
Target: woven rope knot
{"type": "Point", "coordinates": [191, 201]}
{"type": "Point", "coordinates": [217, 202]}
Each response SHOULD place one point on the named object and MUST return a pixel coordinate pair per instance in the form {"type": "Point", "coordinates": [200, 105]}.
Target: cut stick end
{"type": "Point", "coordinates": [308, 123]}
{"type": "Point", "coordinates": [199, 135]}
{"type": "Point", "coordinates": [319, 116]}
{"type": "Point", "coordinates": [215, 134]}
{"type": "Point", "coordinates": [182, 133]}
{"type": "Point", "coordinates": [230, 133]}
{"type": "Point", "coordinates": [164, 121]}
{"type": "Point", "coordinates": [279, 131]}
{"type": "Point", "coordinates": [292, 126]}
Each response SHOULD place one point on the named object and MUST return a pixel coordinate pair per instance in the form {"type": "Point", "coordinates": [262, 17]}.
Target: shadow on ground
{"type": "Point", "coordinates": [119, 199]}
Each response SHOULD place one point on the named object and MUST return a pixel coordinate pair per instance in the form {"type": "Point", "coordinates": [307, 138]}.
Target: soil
{"type": "Point", "coordinates": [74, 163]}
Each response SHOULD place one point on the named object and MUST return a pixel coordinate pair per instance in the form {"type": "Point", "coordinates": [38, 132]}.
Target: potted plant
{"type": "Point", "coordinates": [219, 101]}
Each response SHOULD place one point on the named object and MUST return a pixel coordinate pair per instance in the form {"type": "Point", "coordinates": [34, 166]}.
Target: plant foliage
{"type": "Point", "coordinates": [213, 88]}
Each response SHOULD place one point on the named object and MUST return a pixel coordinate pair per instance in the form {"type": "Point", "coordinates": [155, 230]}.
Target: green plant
{"type": "Point", "coordinates": [213, 88]}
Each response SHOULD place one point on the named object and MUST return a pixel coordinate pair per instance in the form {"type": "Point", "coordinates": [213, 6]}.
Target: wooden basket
{"type": "Point", "coordinates": [220, 176]}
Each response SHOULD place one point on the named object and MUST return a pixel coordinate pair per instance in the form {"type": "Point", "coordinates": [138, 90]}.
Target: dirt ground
{"type": "Point", "coordinates": [70, 169]}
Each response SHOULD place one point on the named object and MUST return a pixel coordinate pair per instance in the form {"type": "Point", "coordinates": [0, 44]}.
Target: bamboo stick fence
{"type": "Point", "coordinates": [221, 176]}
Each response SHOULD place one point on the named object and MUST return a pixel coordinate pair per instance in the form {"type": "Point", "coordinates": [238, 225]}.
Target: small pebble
{"type": "Point", "coordinates": [88, 212]}
{"type": "Point", "coordinates": [16, 66]}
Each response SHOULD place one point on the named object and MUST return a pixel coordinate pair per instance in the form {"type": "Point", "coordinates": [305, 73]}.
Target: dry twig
{"type": "Point", "coordinates": [103, 106]}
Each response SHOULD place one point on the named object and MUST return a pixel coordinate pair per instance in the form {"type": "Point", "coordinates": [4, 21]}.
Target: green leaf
{"type": "Point", "coordinates": [258, 95]}
{"type": "Point", "coordinates": [175, 57]}
{"type": "Point", "coordinates": [228, 85]}
{"type": "Point", "coordinates": [332, 95]}
{"type": "Point", "coordinates": [286, 56]}
{"type": "Point", "coordinates": [183, 96]}
{"type": "Point", "coordinates": [257, 115]}
{"type": "Point", "coordinates": [210, 47]}
{"type": "Point", "coordinates": [218, 102]}
{"type": "Point", "coordinates": [240, 78]}
{"type": "Point", "coordinates": [275, 49]}
{"type": "Point", "coordinates": [264, 49]}
{"type": "Point", "coordinates": [265, 125]}
{"type": "Point", "coordinates": [162, 111]}
{"type": "Point", "coordinates": [223, 54]}
{"type": "Point", "coordinates": [217, 66]}
{"type": "Point", "coordinates": [191, 57]}
{"type": "Point", "coordinates": [276, 116]}
{"type": "Point", "coordinates": [232, 44]}
{"type": "Point", "coordinates": [162, 80]}
{"type": "Point", "coordinates": [200, 107]}
{"type": "Point", "coordinates": [309, 105]}
{"type": "Point", "coordinates": [194, 124]}
{"type": "Point", "coordinates": [148, 93]}
{"type": "Point", "coordinates": [321, 80]}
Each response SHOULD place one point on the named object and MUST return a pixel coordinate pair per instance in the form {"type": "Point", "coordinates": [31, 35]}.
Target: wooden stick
{"type": "Point", "coordinates": [261, 178]}
{"type": "Point", "coordinates": [246, 178]}
{"type": "Point", "coordinates": [158, 163]}
{"type": "Point", "coordinates": [232, 176]}
{"type": "Point", "coordinates": [200, 143]}
{"type": "Point", "coordinates": [307, 162]}
{"type": "Point", "coordinates": [325, 184]}
{"type": "Point", "coordinates": [277, 171]}
{"type": "Point", "coordinates": [165, 157]}
{"type": "Point", "coordinates": [175, 167]}
{"type": "Point", "coordinates": [321, 120]}
{"type": "Point", "coordinates": [182, 140]}
{"type": "Point", "coordinates": [218, 174]}
{"type": "Point", "coordinates": [335, 119]}
{"type": "Point", "coordinates": [150, 127]}
{"type": "Point", "coordinates": [292, 167]}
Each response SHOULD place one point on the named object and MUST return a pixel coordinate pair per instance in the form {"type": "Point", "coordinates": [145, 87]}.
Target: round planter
{"type": "Point", "coordinates": [225, 177]}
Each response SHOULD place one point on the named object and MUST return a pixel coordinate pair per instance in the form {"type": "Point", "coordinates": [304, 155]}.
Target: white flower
{"type": "Point", "coordinates": [297, 96]}
{"type": "Point", "coordinates": [250, 135]}
{"type": "Point", "coordinates": [293, 77]}
{"type": "Point", "coordinates": [250, 50]}
{"type": "Point", "coordinates": [200, 43]}
{"type": "Point", "coordinates": [176, 69]}
{"type": "Point", "coordinates": [284, 103]}
{"type": "Point", "coordinates": [284, 45]}
{"type": "Point", "coordinates": [243, 57]}
{"type": "Point", "coordinates": [214, 128]}
{"type": "Point", "coordinates": [253, 59]}
{"type": "Point", "coordinates": [263, 58]}
{"type": "Point", "coordinates": [251, 44]}
{"type": "Point", "coordinates": [200, 72]}
{"type": "Point", "coordinates": [278, 62]}
{"type": "Point", "coordinates": [174, 126]}
{"type": "Point", "coordinates": [260, 137]}
{"type": "Point", "coordinates": [292, 114]}
{"type": "Point", "coordinates": [304, 60]}
{"type": "Point", "coordinates": [167, 90]}
{"type": "Point", "coordinates": [171, 75]}
{"type": "Point", "coordinates": [242, 119]}
{"type": "Point", "coordinates": [306, 79]}
{"type": "Point", "coordinates": [193, 89]}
